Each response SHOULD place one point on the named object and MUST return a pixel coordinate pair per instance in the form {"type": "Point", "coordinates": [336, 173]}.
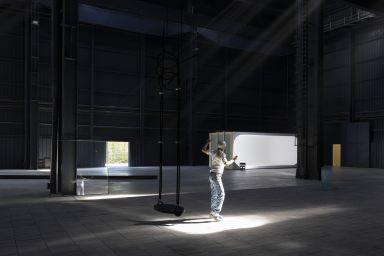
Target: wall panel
{"type": "Point", "coordinates": [230, 91]}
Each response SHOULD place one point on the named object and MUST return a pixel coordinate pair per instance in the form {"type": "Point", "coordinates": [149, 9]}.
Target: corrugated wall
{"type": "Point", "coordinates": [118, 94]}
{"type": "Point", "coordinates": [336, 76]}
{"type": "Point", "coordinates": [120, 69]}
{"type": "Point", "coordinates": [11, 89]}
{"type": "Point", "coordinates": [369, 89]}
{"type": "Point", "coordinates": [353, 82]}
{"type": "Point", "coordinates": [240, 92]}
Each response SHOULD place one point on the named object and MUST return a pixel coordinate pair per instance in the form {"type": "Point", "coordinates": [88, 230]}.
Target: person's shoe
{"type": "Point", "coordinates": [212, 215]}
{"type": "Point", "coordinates": [215, 216]}
{"type": "Point", "coordinates": [219, 217]}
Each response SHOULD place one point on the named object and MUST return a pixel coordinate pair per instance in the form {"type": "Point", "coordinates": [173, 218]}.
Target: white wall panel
{"type": "Point", "coordinates": [258, 149]}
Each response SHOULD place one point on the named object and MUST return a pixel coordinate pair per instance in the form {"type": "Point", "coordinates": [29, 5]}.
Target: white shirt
{"type": "Point", "coordinates": [218, 163]}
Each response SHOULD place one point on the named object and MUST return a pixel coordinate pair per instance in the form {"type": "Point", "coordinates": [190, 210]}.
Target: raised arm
{"type": "Point", "coordinates": [228, 163]}
{"type": "Point", "coordinates": [205, 149]}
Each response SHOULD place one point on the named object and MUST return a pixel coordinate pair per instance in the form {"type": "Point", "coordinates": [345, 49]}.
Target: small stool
{"type": "Point", "coordinates": [242, 166]}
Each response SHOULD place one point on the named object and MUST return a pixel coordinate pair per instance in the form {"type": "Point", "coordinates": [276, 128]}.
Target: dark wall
{"type": "Point", "coordinates": [353, 79]}
{"type": "Point", "coordinates": [231, 91]}
{"type": "Point", "coordinates": [239, 91]}
{"type": "Point", "coordinates": [354, 139]}
{"type": "Point", "coordinates": [11, 89]}
{"type": "Point", "coordinates": [118, 94]}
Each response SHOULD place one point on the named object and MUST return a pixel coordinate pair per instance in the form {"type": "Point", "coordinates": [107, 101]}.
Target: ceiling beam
{"type": "Point", "coordinates": [122, 20]}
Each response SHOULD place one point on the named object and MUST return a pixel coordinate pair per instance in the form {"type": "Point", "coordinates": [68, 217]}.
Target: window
{"type": "Point", "coordinates": [117, 153]}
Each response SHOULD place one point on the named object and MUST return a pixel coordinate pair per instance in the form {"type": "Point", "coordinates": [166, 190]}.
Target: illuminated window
{"type": "Point", "coordinates": [117, 153]}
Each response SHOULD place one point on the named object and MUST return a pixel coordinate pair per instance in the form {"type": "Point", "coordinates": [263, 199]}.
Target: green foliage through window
{"type": "Point", "coordinates": [117, 152]}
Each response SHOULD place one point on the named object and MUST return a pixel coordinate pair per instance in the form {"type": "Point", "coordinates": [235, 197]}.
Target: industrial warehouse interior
{"type": "Point", "coordinates": [191, 127]}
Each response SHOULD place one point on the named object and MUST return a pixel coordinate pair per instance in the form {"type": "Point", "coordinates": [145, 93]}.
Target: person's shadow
{"type": "Point", "coordinates": [174, 221]}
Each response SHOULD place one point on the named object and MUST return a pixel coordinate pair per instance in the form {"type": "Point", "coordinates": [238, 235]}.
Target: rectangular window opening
{"type": "Point", "coordinates": [117, 153]}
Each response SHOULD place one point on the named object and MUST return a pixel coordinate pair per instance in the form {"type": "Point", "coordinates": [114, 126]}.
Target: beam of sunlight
{"type": "Point", "coordinates": [117, 196]}
{"type": "Point", "coordinates": [282, 28]}
{"type": "Point", "coordinates": [208, 226]}
{"type": "Point", "coordinates": [198, 227]}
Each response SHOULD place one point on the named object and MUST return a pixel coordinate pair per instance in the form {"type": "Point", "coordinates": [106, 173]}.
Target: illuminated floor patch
{"type": "Point", "coordinates": [104, 197]}
{"type": "Point", "coordinates": [208, 226]}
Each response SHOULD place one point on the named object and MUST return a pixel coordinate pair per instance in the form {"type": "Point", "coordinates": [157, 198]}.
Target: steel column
{"type": "Point", "coordinates": [142, 61]}
{"type": "Point", "coordinates": [56, 53]}
{"type": "Point", "coordinates": [27, 84]}
{"type": "Point", "coordinates": [309, 56]}
{"type": "Point", "coordinates": [31, 80]}
{"type": "Point", "coordinates": [69, 97]}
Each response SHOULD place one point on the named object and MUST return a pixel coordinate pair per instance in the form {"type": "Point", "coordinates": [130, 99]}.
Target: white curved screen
{"type": "Point", "coordinates": [257, 150]}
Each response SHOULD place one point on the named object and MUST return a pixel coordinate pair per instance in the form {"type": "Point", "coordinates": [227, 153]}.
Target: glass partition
{"type": "Point", "coordinates": [103, 168]}
{"type": "Point", "coordinates": [92, 172]}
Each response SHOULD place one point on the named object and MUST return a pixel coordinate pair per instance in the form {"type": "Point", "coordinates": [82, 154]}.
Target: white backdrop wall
{"type": "Point", "coordinates": [258, 150]}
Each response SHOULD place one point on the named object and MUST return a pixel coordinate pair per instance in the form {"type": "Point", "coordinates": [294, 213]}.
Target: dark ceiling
{"type": "Point", "coordinates": [372, 5]}
{"type": "Point", "coordinates": [257, 13]}
{"type": "Point", "coordinates": [215, 7]}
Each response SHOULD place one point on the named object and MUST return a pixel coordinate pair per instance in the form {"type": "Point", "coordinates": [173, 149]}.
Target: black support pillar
{"type": "Point", "coordinates": [56, 95]}
{"type": "Point", "coordinates": [64, 62]}
{"type": "Point", "coordinates": [309, 56]}
{"type": "Point", "coordinates": [31, 106]}
{"type": "Point", "coordinates": [27, 84]}
{"type": "Point", "coordinates": [69, 96]}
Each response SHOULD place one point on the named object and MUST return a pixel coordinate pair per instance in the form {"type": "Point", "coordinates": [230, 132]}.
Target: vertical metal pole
{"type": "Point", "coordinates": [142, 97]}
{"type": "Point", "coordinates": [226, 76]}
{"type": "Point", "coordinates": [161, 124]}
{"type": "Point", "coordinates": [161, 61]}
{"type": "Point", "coordinates": [191, 81]}
{"type": "Point", "coordinates": [27, 83]}
{"type": "Point", "coordinates": [92, 98]}
{"type": "Point", "coordinates": [260, 102]}
{"type": "Point", "coordinates": [287, 88]}
{"type": "Point", "coordinates": [178, 142]}
{"type": "Point", "coordinates": [178, 95]}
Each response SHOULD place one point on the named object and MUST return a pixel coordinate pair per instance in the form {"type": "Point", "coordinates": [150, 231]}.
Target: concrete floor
{"type": "Point", "coordinates": [266, 212]}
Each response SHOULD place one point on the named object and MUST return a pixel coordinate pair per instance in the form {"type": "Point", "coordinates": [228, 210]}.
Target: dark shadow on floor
{"type": "Point", "coordinates": [173, 222]}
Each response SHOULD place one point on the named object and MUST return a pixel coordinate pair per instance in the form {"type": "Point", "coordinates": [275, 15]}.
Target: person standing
{"type": "Point", "coordinates": [219, 161]}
